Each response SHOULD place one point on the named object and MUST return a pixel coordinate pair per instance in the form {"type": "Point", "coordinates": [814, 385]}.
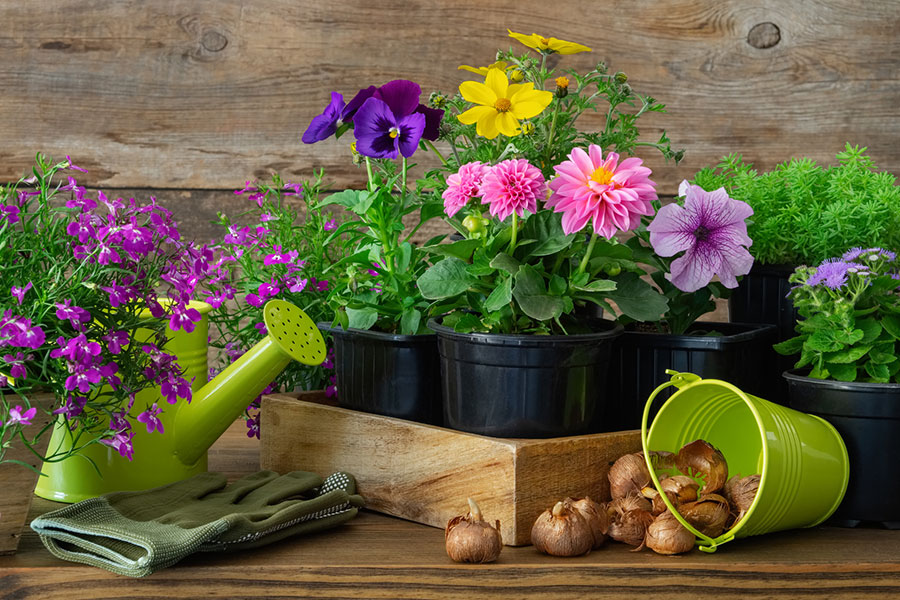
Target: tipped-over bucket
{"type": "Point", "coordinates": [801, 458]}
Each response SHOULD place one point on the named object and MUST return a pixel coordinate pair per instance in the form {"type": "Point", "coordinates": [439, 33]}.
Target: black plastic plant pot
{"type": "Point", "coordinates": [732, 352]}
{"type": "Point", "coordinates": [387, 374]}
{"type": "Point", "coordinates": [867, 416]}
{"type": "Point", "coordinates": [525, 386]}
{"type": "Point", "coordinates": [762, 297]}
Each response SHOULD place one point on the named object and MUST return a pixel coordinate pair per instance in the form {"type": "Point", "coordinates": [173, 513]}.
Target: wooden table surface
{"type": "Point", "coordinates": [375, 556]}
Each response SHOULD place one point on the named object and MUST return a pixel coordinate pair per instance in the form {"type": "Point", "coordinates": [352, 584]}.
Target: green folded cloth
{"type": "Point", "coordinates": [137, 533]}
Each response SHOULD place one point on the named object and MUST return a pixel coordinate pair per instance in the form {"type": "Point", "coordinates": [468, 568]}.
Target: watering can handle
{"type": "Point", "coordinates": [679, 380]}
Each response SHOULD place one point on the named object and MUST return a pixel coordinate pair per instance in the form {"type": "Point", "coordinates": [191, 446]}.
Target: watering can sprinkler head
{"type": "Point", "coordinates": [292, 335]}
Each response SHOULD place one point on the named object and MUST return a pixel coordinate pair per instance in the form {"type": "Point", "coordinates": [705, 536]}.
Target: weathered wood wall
{"type": "Point", "coordinates": [197, 96]}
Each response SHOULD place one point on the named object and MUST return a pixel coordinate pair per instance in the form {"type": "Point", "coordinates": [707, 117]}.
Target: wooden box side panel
{"type": "Point", "coordinates": [549, 470]}
{"type": "Point", "coordinates": [405, 469]}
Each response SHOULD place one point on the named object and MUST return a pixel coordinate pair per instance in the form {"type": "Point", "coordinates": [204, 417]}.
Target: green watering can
{"type": "Point", "coordinates": [190, 428]}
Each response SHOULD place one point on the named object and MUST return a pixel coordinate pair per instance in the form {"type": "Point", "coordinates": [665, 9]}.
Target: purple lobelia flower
{"type": "Point", "coordinates": [711, 230]}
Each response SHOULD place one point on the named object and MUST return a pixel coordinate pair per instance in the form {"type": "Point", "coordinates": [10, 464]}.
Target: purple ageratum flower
{"type": "Point", "coordinates": [151, 420]}
{"type": "Point", "coordinates": [711, 230]}
{"type": "Point", "coordinates": [19, 292]}
{"type": "Point", "coordinates": [871, 254]}
{"type": "Point", "coordinates": [18, 416]}
{"type": "Point", "coordinates": [833, 273]}
{"type": "Point", "coordinates": [380, 133]}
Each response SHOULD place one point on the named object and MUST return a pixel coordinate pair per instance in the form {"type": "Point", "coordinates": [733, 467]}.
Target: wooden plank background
{"type": "Point", "coordinates": [187, 99]}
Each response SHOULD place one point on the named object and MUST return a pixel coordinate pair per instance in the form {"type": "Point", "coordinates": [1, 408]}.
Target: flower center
{"type": "Point", "coordinates": [545, 42]}
{"type": "Point", "coordinates": [701, 233]}
{"type": "Point", "coordinates": [602, 176]}
{"type": "Point", "coordinates": [562, 82]}
{"type": "Point", "coordinates": [394, 132]}
{"type": "Point", "coordinates": [502, 104]}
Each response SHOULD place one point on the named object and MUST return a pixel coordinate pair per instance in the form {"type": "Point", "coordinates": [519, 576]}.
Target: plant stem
{"type": "Point", "coordinates": [587, 254]}
{"type": "Point", "coordinates": [552, 130]}
{"type": "Point", "coordinates": [403, 181]}
{"type": "Point", "coordinates": [436, 151]}
{"type": "Point", "coordinates": [512, 239]}
{"type": "Point", "coordinates": [370, 185]}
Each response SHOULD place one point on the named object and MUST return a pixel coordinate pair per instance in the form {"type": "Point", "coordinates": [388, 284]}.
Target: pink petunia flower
{"type": "Point", "coordinates": [462, 186]}
{"type": "Point", "coordinates": [613, 195]}
{"type": "Point", "coordinates": [512, 186]}
{"type": "Point", "coordinates": [711, 230]}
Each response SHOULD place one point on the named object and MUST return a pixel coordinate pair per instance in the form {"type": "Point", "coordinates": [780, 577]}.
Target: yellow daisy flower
{"type": "Point", "coordinates": [483, 71]}
{"type": "Point", "coordinates": [501, 105]}
{"type": "Point", "coordinates": [548, 45]}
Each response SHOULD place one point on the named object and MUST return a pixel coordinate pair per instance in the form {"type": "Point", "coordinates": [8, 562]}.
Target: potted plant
{"type": "Point", "coordinates": [803, 214]}
{"type": "Point", "coordinates": [276, 248]}
{"type": "Point", "coordinates": [696, 250]}
{"type": "Point", "coordinates": [385, 355]}
{"type": "Point", "coordinates": [519, 359]}
{"type": "Point", "coordinates": [848, 371]}
{"type": "Point", "coordinates": [93, 287]}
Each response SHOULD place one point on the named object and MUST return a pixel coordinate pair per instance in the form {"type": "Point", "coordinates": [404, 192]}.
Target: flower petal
{"type": "Point", "coordinates": [475, 113]}
{"type": "Point", "coordinates": [487, 124]}
{"type": "Point", "coordinates": [433, 118]}
{"type": "Point", "coordinates": [527, 103]}
{"type": "Point", "coordinates": [507, 124]}
{"type": "Point", "coordinates": [324, 125]}
{"type": "Point", "coordinates": [497, 81]}
{"type": "Point", "coordinates": [478, 93]}
{"type": "Point", "coordinates": [411, 128]}
{"type": "Point", "coordinates": [401, 95]}
{"type": "Point", "coordinates": [372, 125]}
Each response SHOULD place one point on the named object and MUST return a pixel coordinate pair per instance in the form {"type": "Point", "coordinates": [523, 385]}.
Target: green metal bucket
{"type": "Point", "coordinates": [801, 458]}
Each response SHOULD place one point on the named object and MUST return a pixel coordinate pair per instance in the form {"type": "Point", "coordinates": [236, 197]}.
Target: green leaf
{"type": "Point", "coordinates": [500, 297]}
{"type": "Point", "coordinates": [505, 262]}
{"type": "Point", "coordinates": [878, 373]}
{"type": "Point", "coordinates": [598, 285]}
{"type": "Point", "coordinates": [848, 355]}
{"type": "Point", "coordinates": [848, 337]}
{"type": "Point", "coordinates": [361, 318]}
{"type": "Point", "coordinates": [462, 249]}
{"type": "Point", "coordinates": [430, 210]}
{"type": "Point", "coordinates": [363, 257]}
{"type": "Point", "coordinates": [445, 279]}
{"type": "Point", "coordinates": [881, 357]}
{"type": "Point", "coordinates": [546, 229]}
{"type": "Point", "coordinates": [842, 372]}
{"type": "Point", "coordinates": [791, 346]}
{"type": "Point", "coordinates": [358, 201]}
{"type": "Point", "coordinates": [637, 299]}
{"type": "Point", "coordinates": [823, 341]}
{"type": "Point", "coordinates": [467, 322]}
{"type": "Point", "coordinates": [409, 321]}
{"type": "Point", "coordinates": [891, 324]}
{"type": "Point", "coordinates": [405, 255]}
{"type": "Point", "coordinates": [557, 285]}
{"type": "Point", "coordinates": [531, 294]}
{"type": "Point", "coordinates": [871, 330]}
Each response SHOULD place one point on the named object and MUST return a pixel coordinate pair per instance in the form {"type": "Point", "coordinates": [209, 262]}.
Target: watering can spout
{"type": "Point", "coordinates": [292, 335]}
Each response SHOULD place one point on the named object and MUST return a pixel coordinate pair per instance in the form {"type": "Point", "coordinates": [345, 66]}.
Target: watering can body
{"type": "Point", "coordinates": [189, 428]}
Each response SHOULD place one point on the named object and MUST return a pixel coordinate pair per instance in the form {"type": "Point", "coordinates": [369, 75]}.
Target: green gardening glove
{"type": "Point", "coordinates": [137, 533]}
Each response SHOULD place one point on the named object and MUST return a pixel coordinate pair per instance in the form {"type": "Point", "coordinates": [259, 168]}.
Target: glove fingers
{"type": "Point", "coordinates": [293, 485]}
{"type": "Point", "coordinates": [238, 490]}
{"type": "Point", "coordinates": [150, 504]}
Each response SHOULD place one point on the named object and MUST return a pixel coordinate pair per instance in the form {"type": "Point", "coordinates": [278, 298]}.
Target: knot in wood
{"type": "Point", "coordinates": [213, 41]}
{"type": "Point", "coordinates": [764, 35]}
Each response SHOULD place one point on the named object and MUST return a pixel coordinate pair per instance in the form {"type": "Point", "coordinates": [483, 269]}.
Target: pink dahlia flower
{"type": "Point", "coordinates": [512, 186]}
{"type": "Point", "coordinates": [710, 228]}
{"type": "Point", "coordinates": [611, 194]}
{"type": "Point", "coordinates": [462, 186]}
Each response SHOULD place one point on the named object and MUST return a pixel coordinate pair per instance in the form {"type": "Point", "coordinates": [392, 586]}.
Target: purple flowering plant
{"type": "Point", "coordinates": [850, 325]}
{"type": "Point", "coordinates": [275, 249]}
{"type": "Point", "coordinates": [374, 286]}
{"type": "Point", "coordinates": [80, 274]}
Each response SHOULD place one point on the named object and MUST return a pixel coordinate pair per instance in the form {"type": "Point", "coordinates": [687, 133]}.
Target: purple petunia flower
{"type": "Point", "coordinates": [711, 230]}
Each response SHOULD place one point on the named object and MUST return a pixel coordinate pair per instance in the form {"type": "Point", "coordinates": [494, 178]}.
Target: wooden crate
{"type": "Point", "coordinates": [425, 473]}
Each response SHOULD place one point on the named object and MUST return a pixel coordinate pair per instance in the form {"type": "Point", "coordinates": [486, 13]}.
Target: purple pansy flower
{"type": "Point", "coordinates": [711, 230]}
{"type": "Point", "coordinates": [335, 114]}
{"type": "Point", "coordinates": [381, 134]}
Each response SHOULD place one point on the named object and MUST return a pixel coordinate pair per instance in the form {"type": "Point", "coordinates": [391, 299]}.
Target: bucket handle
{"type": "Point", "coordinates": [679, 380]}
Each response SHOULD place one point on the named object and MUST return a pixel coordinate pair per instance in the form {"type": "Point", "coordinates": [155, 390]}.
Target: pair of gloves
{"type": "Point", "coordinates": [137, 533]}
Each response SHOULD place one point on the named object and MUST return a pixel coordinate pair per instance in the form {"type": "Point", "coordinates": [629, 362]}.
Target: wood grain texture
{"type": "Point", "coordinates": [17, 482]}
{"type": "Point", "coordinates": [424, 473]}
{"type": "Point", "coordinates": [203, 94]}
{"type": "Point", "coordinates": [376, 556]}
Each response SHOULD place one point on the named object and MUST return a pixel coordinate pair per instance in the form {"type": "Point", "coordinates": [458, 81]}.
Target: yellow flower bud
{"type": "Point", "coordinates": [516, 76]}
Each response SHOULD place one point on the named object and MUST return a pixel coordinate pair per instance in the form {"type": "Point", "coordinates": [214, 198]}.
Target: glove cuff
{"type": "Point", "coordinates": [94, 533]}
